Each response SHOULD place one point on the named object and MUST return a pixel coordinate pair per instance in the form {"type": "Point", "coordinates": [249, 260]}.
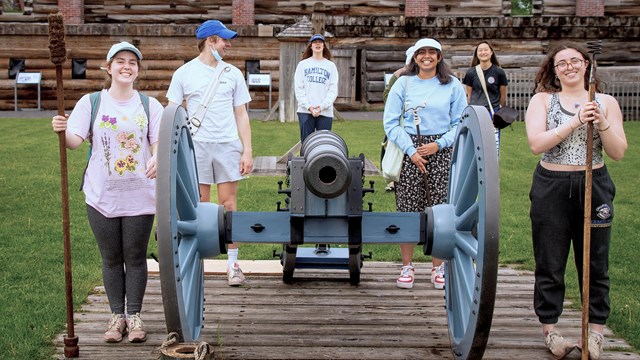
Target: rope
{"type": "Point", "coordinates": [201, 351]}
{"type": "Point", "coordinates": [171, 339]}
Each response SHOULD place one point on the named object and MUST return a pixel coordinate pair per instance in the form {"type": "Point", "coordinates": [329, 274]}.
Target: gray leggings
{"type": "Point", "coordinates": [123, 245]}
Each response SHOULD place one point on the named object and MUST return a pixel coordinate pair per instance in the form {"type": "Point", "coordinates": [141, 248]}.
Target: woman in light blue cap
{"type": "Point", "coordinates": [119, 183]}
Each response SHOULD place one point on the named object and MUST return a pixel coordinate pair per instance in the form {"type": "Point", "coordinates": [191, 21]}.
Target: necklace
{"type": "Point", "coordinates": [576, 102]}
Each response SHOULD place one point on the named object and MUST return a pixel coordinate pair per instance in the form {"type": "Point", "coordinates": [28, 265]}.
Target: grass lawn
{"type": "Point", "coordinates": [32, 295]}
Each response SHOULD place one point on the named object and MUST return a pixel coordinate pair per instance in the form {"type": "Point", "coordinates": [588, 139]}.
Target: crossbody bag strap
{"type": "Point", "coordinates": [484, 85]}
{"type": "Point", "coordinates": [404, 100]}
{"type": "Point", "coordinates": [196, 119]}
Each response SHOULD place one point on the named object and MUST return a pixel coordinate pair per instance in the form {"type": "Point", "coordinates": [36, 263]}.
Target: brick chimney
{"type": "Point", "coordinates": [589, 7]}
{"type": "Point", "coordinates": [244, 12]}
{"type": "Point", "coordinates": [72, 11]}
{"type": "Point", "coordinates": [416, 8]}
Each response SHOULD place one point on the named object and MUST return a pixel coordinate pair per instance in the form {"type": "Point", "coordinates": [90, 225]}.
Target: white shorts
{"type": "Point", "coordinates": [218, 162]}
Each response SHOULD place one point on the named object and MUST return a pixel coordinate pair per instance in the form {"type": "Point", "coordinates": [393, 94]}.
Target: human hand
{"type": "Point", "coordinates": [419, 162]}
{"type": "Point", "coordinates": [246, 164]}
{"type": "Point", "coordinates": [59, 123]}
{"type": "Point", "coordinates": [152, 170]}
{"type": "Point", "coordinates": [315, 110]}
{"type": "Point", "coordinates": [590, 112]}
{"type": "Point", "coordinates": [428, 149]}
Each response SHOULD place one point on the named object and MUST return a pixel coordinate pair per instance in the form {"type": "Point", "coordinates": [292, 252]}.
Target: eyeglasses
{"type": "Point", "coordinates": [574, 62]}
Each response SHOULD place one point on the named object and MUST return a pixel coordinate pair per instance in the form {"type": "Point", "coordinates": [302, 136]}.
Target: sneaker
{"type": "Point", "coordinates": [595, 345]}
{"type": "Point", "coordinates": [405, 281]}
{"type": "Point", "coordinates": [117, 328]}
{"type": "Point", "coordinates": [235, 277]}
{"type": "Point", "coordinates": [558, 346]}
{"type": "Point", "coordinates": [437, 277]}
{"type": "Point", "coordinates": [136, 328]}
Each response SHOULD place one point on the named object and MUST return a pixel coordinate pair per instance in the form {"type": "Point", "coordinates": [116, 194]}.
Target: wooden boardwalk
{"type": "Point", "coordinates": [321, 316]}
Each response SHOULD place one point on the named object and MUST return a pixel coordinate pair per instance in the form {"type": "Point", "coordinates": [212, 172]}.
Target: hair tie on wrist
{"type": "Point", "coordinates": [579, 119]}
{"type": "Point", "coordinates": [605, 129]}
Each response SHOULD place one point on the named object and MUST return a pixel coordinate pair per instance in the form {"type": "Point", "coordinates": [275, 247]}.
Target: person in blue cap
{"type": "Point", "coordinates": [316, 87]}
{"type": "Point", "coordinates": [216, 96]}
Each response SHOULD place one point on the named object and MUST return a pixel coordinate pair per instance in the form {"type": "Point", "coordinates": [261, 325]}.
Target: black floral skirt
{"type": "Point", "coordinates": [411, 193]}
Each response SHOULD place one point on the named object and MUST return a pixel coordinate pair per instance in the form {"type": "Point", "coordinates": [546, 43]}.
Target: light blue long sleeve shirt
{"type": "Point", "coordinates": [443, 106]}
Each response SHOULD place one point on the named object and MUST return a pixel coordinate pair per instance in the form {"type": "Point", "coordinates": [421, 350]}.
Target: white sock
{"type": "Point", "coordinates": [232, 255]}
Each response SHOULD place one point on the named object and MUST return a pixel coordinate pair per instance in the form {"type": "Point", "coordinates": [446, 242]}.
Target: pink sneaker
{"type": "Point", "coordinates": [136, 328]}
{"type": "Point", "coordinates": [437, 277]}
{"type": "Point", "coordinates": [405, 281]}
{"type": "Point", "coordinates": [117, 327]}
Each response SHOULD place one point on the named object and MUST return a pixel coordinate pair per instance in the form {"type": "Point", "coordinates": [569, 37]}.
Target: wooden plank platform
{"type": "Point", "coordinates": [321, 316]}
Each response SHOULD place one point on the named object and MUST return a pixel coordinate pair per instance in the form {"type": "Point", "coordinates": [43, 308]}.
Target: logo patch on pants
{"type": "Point", "coordinates": [603, 211]}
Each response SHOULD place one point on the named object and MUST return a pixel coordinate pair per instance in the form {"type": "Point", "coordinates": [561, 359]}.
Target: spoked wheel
{"type": "Point", "coordinates": [188, 231]}
{"type": "Point", "coordinates": [466, 233]}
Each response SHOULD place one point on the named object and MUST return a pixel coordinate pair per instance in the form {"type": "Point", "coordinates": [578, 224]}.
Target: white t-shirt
{"type": "Point", "coordinates": [191, 82]}
{"type": "Point", "coordinates": [316, 83]}
{"type": "Point", "coordinates": [115, 183]}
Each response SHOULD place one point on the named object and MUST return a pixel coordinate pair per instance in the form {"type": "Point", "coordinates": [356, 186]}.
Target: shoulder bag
{"type": "Point", "coordinates": [505, 115]}
{"type": "Point", "coordinates": [195, 120]}
{"type": "Point", "coordinates": [391, 164]}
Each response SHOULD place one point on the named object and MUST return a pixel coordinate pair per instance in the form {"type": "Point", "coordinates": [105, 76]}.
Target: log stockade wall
{"type": "Point", "coordinates": [369, 37]}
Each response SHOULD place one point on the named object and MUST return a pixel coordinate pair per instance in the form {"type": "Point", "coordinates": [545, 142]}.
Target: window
{"type": "Point", "coordinates": [15, 66]}
{"type": "Point", "coordinates": [521, 7]}
{"type": "Point", "coordinates": [79, 68]}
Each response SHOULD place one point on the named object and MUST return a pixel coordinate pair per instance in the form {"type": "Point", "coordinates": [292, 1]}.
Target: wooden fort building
{"type": "Point", "coordinates": [367, 38]}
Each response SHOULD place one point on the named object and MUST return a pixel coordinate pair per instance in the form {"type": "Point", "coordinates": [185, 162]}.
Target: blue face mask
{"type": "Point", "coordinates": [215, 54]}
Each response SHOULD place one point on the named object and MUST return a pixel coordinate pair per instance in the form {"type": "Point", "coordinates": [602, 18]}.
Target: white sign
{"type": "Point", "coordinates": [28, 78]}
{"type": "Point", "coordinates": [259, 79]}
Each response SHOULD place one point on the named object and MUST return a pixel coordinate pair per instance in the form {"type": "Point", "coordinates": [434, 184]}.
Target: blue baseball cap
{"type": "Point", "coordinates": [316, 37]}
{"type": "Point", "coordinates": [214, 27]}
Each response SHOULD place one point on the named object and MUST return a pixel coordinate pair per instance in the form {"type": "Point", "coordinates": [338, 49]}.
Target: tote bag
{"type": "Point", "coordinates": [392, 160]}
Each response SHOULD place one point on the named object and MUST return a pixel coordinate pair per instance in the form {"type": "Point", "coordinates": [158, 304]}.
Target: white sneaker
{"type": "Point", "coordinates": [405, 281]}
{"type": "Point", "coordinates": [235, 277]}
{"type": "Point", "coordinates": [558, 346]}
{"type": "Point", "coordinates": [595, 345]}
{"type": "Point", "coordinates": [437, 277]}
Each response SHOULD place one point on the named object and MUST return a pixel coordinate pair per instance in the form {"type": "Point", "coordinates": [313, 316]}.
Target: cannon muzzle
{"type": "Point", "coordinates": [326, 171]}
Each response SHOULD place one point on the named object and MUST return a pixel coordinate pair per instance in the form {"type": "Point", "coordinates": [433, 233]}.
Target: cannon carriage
{"type": "Point", "coordinates": [325, 206]}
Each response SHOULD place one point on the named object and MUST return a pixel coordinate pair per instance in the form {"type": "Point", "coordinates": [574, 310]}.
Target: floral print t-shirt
{"type": "Point", "coordinates": [115, 183]}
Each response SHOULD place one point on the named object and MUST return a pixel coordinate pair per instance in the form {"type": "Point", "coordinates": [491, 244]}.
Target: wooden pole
{"type": "Point", "coordinates": [586, 243]}
{"type": "Point", "coordinates": [58, 57]}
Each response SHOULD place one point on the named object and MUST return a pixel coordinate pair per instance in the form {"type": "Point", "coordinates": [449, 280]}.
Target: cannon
{"type": "Point", "coordinates": [325, 207]}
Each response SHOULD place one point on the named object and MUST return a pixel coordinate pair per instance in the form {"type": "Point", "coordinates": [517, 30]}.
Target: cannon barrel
{"type": "Point", "coordinates": [326, 172]}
